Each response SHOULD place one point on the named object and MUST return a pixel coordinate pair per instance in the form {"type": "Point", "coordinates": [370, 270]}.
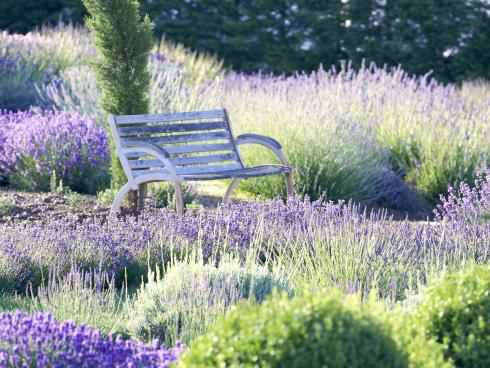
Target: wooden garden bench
{"type": "Point", "coordinates": [187, 146]}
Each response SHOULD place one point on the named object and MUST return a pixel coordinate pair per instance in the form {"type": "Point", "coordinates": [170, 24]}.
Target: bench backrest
{"type": "Point", "coordinates": [198, 142]}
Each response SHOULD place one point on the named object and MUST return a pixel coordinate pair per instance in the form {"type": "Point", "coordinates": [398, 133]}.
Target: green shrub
{"type": "Point", "coordinates": [456, 313]}
{"type": "Point", "coordinates": [191, 296]}
{"type": "Point", "coordinates": [163, 194]}
{"type": "Point", "coordinates": [6, 206]}
{"type": "Point", "coordinates": [106, 197]}
{"type": "Point", "coordinates": [75, 201]}
{"type": "Point", "coordinates": [310, 331]}
{"type": "Point", "coordinates": [12, 303]}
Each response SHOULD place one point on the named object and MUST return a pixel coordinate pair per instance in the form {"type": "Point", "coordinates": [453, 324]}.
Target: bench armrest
{"type": "Point", "coordinates": [151, 149]}
{"type": "Point", "coordinates": [262, 140]}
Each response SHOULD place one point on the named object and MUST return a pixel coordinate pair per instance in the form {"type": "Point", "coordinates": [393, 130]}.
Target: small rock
{"type": "Point", "coordinates": [48, 199]}
{"type": "Point", "coordinates": [98, 208]}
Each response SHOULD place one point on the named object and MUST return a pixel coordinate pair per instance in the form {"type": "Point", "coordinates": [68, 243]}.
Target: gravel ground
{"type": "Point", "coordinates": [17, 206]}
{"type": "Point", "coordinates": [26, 206]}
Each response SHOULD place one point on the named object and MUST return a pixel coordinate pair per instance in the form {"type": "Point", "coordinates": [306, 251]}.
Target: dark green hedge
{"type": "Point", "coordinates": [449, 37]}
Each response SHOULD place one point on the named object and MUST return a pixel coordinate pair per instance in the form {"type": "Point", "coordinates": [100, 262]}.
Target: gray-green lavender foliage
{"type": "Point", "coordinates": [192, 295]}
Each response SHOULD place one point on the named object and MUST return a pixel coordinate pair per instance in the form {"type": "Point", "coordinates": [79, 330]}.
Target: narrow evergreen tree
{"type": "Point", "coordinates": [124, 40]}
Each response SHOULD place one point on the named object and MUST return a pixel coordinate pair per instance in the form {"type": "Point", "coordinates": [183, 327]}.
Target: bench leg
{"type": "Point", "coordinates": [179, 199]}
{"type": "Point", "coordinates": [116, 205]}
{"type": "Point", "coordinates": [142, 193]}
{"type": "Point", "coordinates": [229, 191]}
{"type": "Point", "coordinates": [289, 184]}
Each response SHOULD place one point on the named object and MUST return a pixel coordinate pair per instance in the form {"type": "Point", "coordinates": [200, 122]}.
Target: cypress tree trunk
{"type": "Point", "coordinates": [124, 40]}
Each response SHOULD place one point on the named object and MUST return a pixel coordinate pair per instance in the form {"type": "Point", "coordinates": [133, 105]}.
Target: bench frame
{"type": "Point", "coordinates": [171, 175]}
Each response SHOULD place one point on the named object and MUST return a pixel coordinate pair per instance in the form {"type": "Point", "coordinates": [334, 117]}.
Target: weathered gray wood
{"type": "Point", "coordinates": [212, 172]}
{"type": "Point", "coordinates": [191, 148]}
{"type": "Point", "coordinates": [154, 118]}
{"type": "Point", "coordinates": [207, 169]}
{"type": "Point", "coordinates": [172, 128]}
{"type": "Point", "coordinates": [128, 143]}
{"type": "Point", "coordinates": [227, 119]}
{"type": "Point", "coordinates": [181, 138]}
{"type": "Point", "coordinates": [248, 172]}
{"type": "Point", "coordinates": [183, 161]}
{"type": "Point", "coordinates": [194, 170]}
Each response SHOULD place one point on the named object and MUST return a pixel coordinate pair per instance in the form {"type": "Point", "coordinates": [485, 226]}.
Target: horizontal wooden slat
{"type": "Point", "coordinates": [192, 170]}
{"type": "Point", "coordinates": [190, 148]}
{"type": "Point", "coordinates": [207, 169]}
{"type": "Point", "coordinates": [181, 138]}
{"type": "Point", "coordinates": [222, 173]}
{"type": "Point", "coordinates": [257, 171]}
{"type": "Point", "coordinates": [173, 128]}
{"type": "Point", "coordinates": [154, 118]}
{"type": "Point", "coordinates": [183, 161]}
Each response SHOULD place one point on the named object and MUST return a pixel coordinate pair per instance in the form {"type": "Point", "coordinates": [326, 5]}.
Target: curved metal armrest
{"type": "Point", "coordinates": [262, 140]}
{"type": "Point", "coordinates": [259, 139]}
{"type": "Point", "coordinates": [151, 149]}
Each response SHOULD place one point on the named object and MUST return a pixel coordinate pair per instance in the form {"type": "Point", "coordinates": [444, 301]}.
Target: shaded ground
{"type": "Point", "coordinates": [17, 206]}
{"type": "Point", "coordinates": [26, 206]}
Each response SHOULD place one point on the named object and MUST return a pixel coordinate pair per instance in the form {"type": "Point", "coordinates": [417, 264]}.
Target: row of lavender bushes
{"type": "Point", "coordinates": [321, 242]}
{"type": "Point", "coordinates": [445, 329]}
{"type": "Point", "coordinates": [376, 136]}
{"type": "Point", "coordinates": [204, 265]}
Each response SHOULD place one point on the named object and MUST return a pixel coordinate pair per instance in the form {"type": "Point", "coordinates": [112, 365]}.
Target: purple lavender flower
{"type": "Point", "coordinates": [348, 244]}
{"type": "Point", "coordinates": [470, 205]}
{"type": "Point", "coordinates": [34, 146]}
{"type": "Point", "coordinates": [40, 341]}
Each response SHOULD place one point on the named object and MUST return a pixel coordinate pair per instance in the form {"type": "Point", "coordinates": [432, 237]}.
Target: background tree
{"type": "Point", "coordinates": [21, 16]}
{"type": "Point", "coordinates": [124, 40]}
{"type": "Point", "coordinates": [449, 37]}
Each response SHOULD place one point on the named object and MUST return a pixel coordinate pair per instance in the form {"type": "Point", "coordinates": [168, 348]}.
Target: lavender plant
{"type": "Point", "coordinates": [401, 122]}
{"type": "Point", "coordinates": [172, 75]}
{"type": "Point", "coordinates": [192, 295]}
{"type": "Point", "coordinates": [16, 82]}
{"type": "Point", "coordinates": [40, 340]}
{"type": "Point", "coordinates": [37, 58]}
{"type": "Point", "coordinates": [51, 49]}
{"type": "Point", "coordinates": [313, 243]}
{"type": "Point", "coordinates": [10, 302]}
{"type": "Point", "coordinates": [364, 135]}
{"type": "Point", "coordinates": [83, 297]}
{"type": "Point", "coordinates": [36, 145]}
{"type": "Point", "coordinates": [468, 205]}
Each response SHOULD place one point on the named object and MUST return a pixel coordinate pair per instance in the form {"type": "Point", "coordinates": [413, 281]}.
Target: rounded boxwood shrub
{"type": "Point", "coordinates": [191, 296]}
{"type": "Point", "coordinates": [456, 313]}
{"type": "Point", "coordinates": [315, 330]}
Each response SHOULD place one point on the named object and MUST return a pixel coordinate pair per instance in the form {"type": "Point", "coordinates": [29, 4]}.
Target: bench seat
{"type": "Point", "coordinates": [256, 171]}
